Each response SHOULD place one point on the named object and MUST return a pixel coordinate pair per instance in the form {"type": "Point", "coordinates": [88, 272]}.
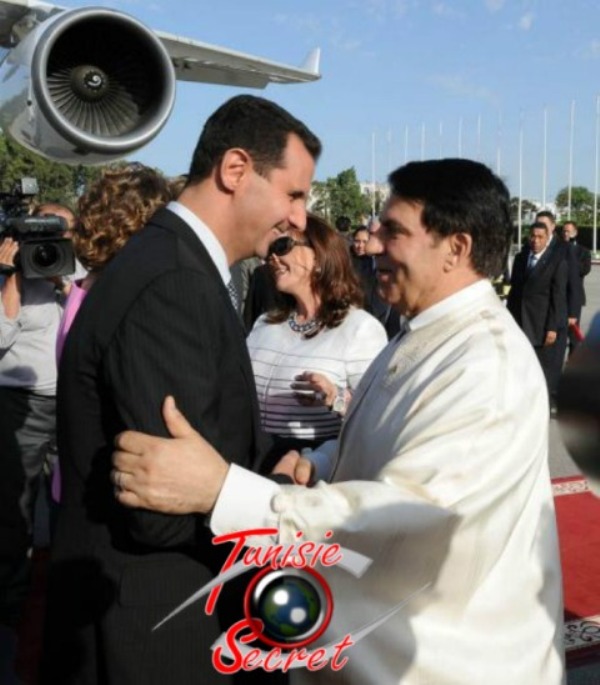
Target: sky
{"type": "Point", "coordinates": [408, 80]}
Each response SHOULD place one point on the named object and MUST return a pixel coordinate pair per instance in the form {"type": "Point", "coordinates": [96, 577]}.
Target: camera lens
{"type": "Point", "coordinates": [44, 256]}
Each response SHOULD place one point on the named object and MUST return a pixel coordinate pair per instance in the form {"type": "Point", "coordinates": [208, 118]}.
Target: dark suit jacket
{"type": "Point", "coordinates": [566, 250]}
{"type": "Point", "coordinates": [538, 299]}
{"type": "Point", "coordinates": [158, 321]}
{"type": "Point", "coordinates": [373, 303]}
{"type": "Point", "coordinates": [584, 262]}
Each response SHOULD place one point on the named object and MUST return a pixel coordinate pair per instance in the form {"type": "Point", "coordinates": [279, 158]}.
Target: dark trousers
{"type": "Point", "coordinates": [551, 359]}
{"type": "Point", "coordinates": [27, 433]}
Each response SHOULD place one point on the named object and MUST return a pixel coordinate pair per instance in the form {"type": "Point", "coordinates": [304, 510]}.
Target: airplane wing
{"type": "Point", "coordinates": [193, 60]}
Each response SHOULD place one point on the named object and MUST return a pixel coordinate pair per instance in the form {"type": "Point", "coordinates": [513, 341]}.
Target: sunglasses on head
{"type": "Point", "coordinates": [283, 246]}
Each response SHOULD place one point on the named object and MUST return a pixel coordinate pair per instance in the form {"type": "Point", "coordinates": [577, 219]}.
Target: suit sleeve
{"type": "Point", "coordinates": [169, 343]}
{"type": "Point", "coordinates": [557, 307]}
{"type": "Point", "coordinates": [585, 262]}
{"type": "Point", "coordinates": [573, 288]}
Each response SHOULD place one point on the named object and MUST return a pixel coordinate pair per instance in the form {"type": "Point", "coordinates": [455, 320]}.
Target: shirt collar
{"type": "Point", "coordinates": [206, 237]}
{"type": "Point", "coordinates": [537, 257]}
{"type": "Point", "coordinates": [458, 301]}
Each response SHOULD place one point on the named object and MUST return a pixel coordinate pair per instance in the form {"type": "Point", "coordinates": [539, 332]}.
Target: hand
{"type": "Point", "coordinates": [8, 251]}
{"type": "Point", "coordinates": [550, 338]}
{"type": "Point", "coordinates": [572, 321]}
{"type": "Point", "coordinates": [298, 468]}
{"type": "Point", "coordinates": [178, 475]}
{"type": "Point", "coordinates": [324, 389]}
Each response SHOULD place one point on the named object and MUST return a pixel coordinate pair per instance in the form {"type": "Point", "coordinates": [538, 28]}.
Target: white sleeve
{"type": "Point", "coordinates": [246, 499]}
{"type": "Point", "coordinates": [244, 503]}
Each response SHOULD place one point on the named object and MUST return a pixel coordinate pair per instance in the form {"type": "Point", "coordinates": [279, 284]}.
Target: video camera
{"type": "Point", "coordinates": [43, 251]}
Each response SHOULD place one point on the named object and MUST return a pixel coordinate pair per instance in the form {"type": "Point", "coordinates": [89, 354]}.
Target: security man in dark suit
{"type": "Point", "coordinates": [584, 262]}
{"type": "Point", "coordinates": [538, 301]}
{"type": "Point", "coordinates": [159, 320]}
{"type": "Point", "coordinates": [567, 253]}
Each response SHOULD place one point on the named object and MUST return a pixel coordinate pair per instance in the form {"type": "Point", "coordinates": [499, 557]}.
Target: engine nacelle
{"type": "Point", "coordinates": [87, 86]}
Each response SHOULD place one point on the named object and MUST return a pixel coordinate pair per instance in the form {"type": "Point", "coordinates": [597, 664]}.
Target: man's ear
{"type": "Point", "coordinates": [235, 166]}
{"type": "Point", "coordinates": [461, 247]}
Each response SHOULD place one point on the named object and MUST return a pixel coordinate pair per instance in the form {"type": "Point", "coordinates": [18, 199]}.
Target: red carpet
{"type": "Point", "coordinates": [578, 516]}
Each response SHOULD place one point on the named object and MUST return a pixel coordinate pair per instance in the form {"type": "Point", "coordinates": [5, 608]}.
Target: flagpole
{"type": "Point", "coordinates": [373, 174]}
{"type": "Point", "coordinates": [545, 158]}
{"type": "Point", "coordinates": [498, 144]}
{"type": "Point", "coordinates": [594, 243]}
{"type": "Point", "coordinates": [520, 206]}
{"type": "Point", "coordinates": [571, 138]}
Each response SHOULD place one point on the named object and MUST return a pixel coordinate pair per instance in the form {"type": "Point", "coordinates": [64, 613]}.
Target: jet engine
{"type": "Point", "coordinates": [86, 86]}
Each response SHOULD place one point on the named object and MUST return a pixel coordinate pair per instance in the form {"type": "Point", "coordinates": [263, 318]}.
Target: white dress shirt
{"type": "Point", "coordinates": [207, 238]}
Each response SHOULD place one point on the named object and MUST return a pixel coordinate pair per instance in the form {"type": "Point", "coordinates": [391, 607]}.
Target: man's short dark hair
{"type": "Point", "coordinates": [258, 126]}
{"type": "Point", "coordinates": [547, 214]}
{"type": "Point", "coordinates": [461, 196]}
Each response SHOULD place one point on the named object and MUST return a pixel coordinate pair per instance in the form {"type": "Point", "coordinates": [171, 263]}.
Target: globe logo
{"type": "Point", "coordinates": [294, 606]}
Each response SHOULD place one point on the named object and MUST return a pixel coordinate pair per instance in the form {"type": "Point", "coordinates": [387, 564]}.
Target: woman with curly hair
{"type": "Point", "coordinates": [309, 353]}
{"type": "Point", "coordinates": [114, 207]}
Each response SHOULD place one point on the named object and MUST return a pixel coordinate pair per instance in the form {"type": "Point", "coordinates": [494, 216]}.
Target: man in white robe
{"type": "Point", "coordinates": [440, 473]}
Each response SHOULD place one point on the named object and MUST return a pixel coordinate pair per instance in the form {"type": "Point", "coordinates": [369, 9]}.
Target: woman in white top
{"type": "Point", "coordinates": [309, 354]}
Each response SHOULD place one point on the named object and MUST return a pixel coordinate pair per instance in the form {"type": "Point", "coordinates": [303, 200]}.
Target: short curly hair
{"type": "Point", "coordinates": [115, 206]}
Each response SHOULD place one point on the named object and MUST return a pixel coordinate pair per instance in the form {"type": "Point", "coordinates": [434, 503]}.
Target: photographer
{"type": "Point", "coordinates": [30, 312]}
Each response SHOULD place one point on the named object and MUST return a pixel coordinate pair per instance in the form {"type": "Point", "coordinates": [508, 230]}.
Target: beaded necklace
{"type": "Point", "coordinates": [306, 327]}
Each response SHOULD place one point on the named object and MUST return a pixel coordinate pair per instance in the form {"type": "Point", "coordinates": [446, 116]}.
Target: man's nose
{"type": "Point", "coordinates": [297, 217]}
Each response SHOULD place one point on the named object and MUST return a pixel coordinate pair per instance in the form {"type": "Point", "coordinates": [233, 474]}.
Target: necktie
{"type": "Point", "coordinates": [233, 296]}
{"type": "Point", "coordinates": [532, 261]}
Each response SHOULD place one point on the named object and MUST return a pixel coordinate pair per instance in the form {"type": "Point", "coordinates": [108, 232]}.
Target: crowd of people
{"type": "Point", "coordinates": [223, 360]}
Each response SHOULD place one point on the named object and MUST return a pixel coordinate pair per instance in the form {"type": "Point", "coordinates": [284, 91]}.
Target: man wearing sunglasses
{"type": "Point", "coordinates": [160, 319]}
{"type": "Point", "coordinates": [439, 475]}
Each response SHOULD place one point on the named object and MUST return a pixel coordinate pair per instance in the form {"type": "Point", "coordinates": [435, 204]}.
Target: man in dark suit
{"type": "Point", "coordinates": [584, 263]}
{"type": "Point", "coordinates": [159, 320]}
{"type": "Point", "coordinates": [566, 251]}
{"type": "Point", "coordinates": [537, 300]}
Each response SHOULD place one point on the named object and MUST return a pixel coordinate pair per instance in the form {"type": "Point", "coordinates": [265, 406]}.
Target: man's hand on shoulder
{"type": "Point", "coordinates": [179, 475]}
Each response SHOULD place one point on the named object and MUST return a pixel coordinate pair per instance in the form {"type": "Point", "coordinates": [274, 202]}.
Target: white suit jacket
{"type": "Point", "coordinates": [440, 476]}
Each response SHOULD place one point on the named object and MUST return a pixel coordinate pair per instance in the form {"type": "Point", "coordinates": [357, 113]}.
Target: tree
{"type": "Point", "coordinates": [57, 182]}
{"type": "Point", "coordinates": [340, 196]}
{"type": "Point", "coordinates": [528, 210]}
{"type": "Point", "coordinates": [582, 205]}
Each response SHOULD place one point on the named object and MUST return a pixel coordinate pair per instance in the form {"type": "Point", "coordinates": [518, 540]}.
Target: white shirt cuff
{"type": "Point", "coordinates": [244, 502]}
